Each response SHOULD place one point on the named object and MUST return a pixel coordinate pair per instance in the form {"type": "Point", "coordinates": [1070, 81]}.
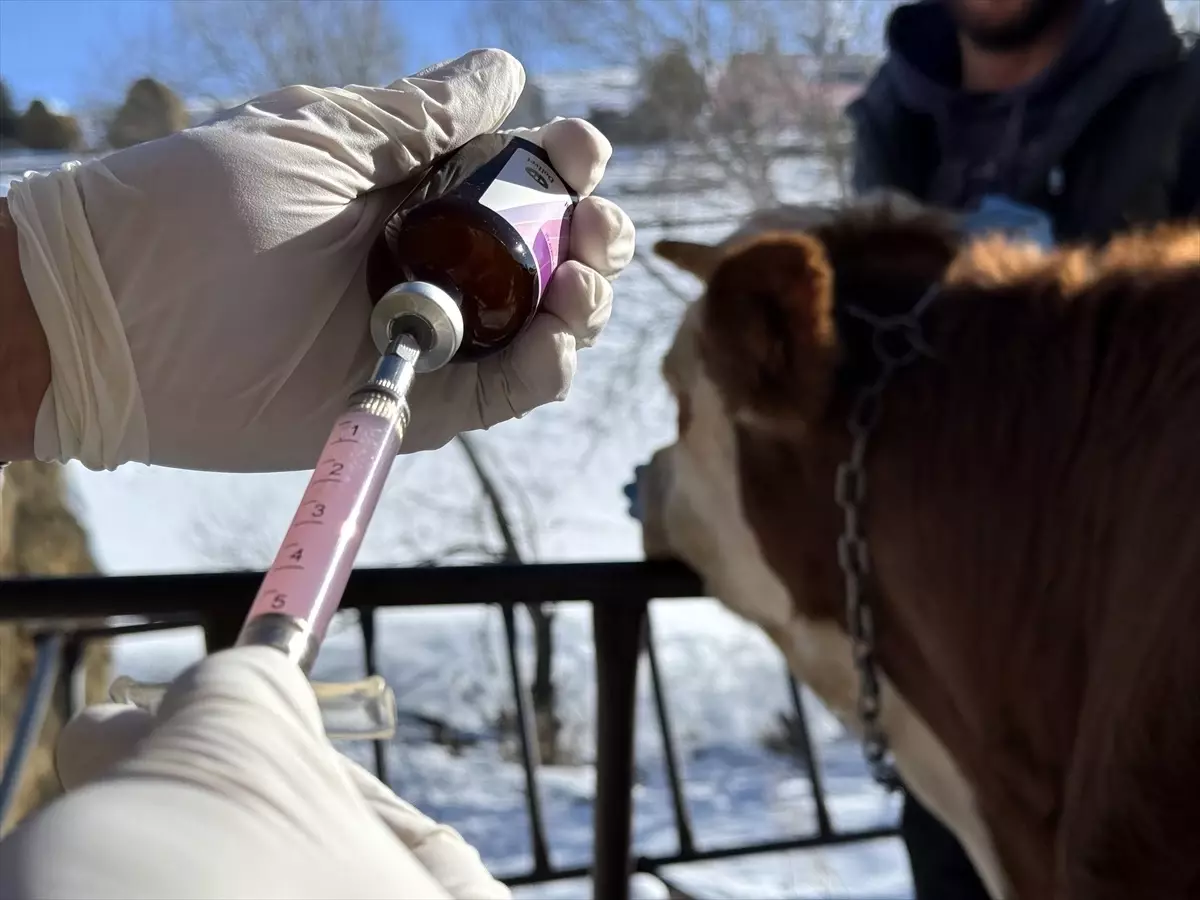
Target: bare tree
{"type": "Point", "coordinates": [225, 51]}
{"type": "Point", "coordinates": [216, 53]}
{"type": "Point", "coordinates": [772, 68]}
{"type": "Point", "coordinates": [505, 25]}
{"type": "Point", "coordinates": [495, 25]}
{"type": "Point", "coordinates": [542, 614]}
{"type": "Point", "coordinates": [245, 47]}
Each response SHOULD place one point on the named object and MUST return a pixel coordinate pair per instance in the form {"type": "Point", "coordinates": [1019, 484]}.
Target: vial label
{"type": "Point", "coordinates": [529, 194]}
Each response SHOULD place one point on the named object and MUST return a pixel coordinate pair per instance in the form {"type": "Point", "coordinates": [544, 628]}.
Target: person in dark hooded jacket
{"type": "Point", "coordinates": [1088, 110]}
{"type": "Point", "coordinates": [1083, 113]}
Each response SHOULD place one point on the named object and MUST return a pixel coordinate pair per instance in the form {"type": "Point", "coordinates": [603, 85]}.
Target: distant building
{"type": "Point", "coordinates": [780, 91]}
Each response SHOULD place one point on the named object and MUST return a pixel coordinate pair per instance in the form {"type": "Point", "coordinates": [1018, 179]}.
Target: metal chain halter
{"type": "Point", "coordinates": [897, 341]}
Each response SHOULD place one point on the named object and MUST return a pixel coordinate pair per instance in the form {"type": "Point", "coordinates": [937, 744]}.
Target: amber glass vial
{"type": "Point", "coordinates": [487, 223]}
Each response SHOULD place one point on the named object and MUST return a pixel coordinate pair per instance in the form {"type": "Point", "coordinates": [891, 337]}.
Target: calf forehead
{"type": "Point", "coordinates": [682, 364]}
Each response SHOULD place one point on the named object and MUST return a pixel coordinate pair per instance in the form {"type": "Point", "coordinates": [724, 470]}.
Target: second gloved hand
{"type": "Point", "coordinates": [231, 790]}
{"type": "Point", "coordinates": [204, 298]}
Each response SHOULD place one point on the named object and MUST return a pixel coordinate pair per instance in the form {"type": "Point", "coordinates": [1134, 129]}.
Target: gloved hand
{"type": "Point", "coordinates": [231, 790]}
{"type": "Point", "coordinates": [204, 296]}
{"type": "Point", "coordinates": [1017, 220]}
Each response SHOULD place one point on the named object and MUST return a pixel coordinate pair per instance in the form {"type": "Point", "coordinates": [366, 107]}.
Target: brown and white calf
{"type": "Point", "coordinates": [1031, 511]}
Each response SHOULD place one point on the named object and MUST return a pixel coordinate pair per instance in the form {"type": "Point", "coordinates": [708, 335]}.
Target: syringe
{"type": "Point", "coordinates": [418, 328]}
{"type": "Point", "coordinates": [491, 221]}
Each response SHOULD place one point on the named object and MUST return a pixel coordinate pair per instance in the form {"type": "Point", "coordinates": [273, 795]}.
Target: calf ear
{"type": "Point", "coordinates": [698, 259]}
{"type": "Point", "coordinates": [768, 336]}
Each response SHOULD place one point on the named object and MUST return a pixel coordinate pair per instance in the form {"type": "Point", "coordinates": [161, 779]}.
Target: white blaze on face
{"type": "Point", "coordinates": [695, 485]}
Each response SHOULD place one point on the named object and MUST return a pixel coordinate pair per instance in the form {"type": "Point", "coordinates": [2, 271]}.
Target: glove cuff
{"type": "Point", "coordinates": [93, 411]}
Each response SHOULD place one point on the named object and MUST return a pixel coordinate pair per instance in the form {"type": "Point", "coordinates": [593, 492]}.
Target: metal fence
{"type": "Point", "coordinates": [619, 594]}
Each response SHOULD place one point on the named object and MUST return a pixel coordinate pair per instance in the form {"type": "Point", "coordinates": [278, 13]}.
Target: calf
{"type": "Point", "coordinates": [973, 468]}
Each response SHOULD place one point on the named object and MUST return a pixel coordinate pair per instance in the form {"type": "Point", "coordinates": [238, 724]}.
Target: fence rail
{"type": "Point", "coordinates": [619, 594]}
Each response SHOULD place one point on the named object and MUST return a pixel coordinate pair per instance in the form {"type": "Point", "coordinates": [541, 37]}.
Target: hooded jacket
{"type": "Point", "coordinates": [1106, 138]}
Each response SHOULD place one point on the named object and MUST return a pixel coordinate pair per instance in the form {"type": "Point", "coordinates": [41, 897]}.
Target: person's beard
{"type": "Point", "coordinates": [1013, 34]}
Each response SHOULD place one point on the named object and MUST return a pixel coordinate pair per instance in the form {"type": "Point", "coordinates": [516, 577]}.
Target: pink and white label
{"type": "Point", "coordinates": [539, 205]}
{"type": "Point", "coordinates": [316, 558]}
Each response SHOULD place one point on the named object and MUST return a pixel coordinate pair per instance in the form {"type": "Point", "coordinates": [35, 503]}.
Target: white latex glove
{"type": "Point", "coordinates": [231, 791]}
{"type": "Point", "coordinates": [204, 295]}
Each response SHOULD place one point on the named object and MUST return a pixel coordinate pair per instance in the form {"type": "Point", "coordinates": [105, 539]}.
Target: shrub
{"type": "Point", "coordinates": [40, 129]}
{"type": "Point", "coordinates": [9, 117]}
{"type": "Point", "coordinates": [151, 110]}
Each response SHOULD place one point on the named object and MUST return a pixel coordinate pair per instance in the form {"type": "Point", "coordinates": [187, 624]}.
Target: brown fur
{"type": "Point", "coordinates": [773, 350]}
{"type": "Point", "coordinates": [1034, 516]}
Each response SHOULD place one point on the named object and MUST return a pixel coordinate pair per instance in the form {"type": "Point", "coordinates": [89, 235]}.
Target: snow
{"type": "Point", "coordinates": [574, 93]}
{"type": "Point", "coordinates": [725, 685]}
{"type": "Point", "coordinates": [14, 164]}
{"type": "Point", "coordinates": [725, 682]}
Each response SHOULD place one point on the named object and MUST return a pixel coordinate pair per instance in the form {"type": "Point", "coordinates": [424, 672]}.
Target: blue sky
{"type": "Point", "coordinates": [49, 48]}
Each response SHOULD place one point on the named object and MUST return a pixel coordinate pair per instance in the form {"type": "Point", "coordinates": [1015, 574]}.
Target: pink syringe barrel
{"type": "Point", "coordinates": [303, 588]}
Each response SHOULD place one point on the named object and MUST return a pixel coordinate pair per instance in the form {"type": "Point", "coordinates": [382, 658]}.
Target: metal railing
{"type": "Point", "coordinates": [619, 594]}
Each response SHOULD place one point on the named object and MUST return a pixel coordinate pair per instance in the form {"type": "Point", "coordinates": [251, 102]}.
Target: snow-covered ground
{"type": "Point", "coordinates": [574, 93]}
{"type": "Point", "coordinates": [726, 684]}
